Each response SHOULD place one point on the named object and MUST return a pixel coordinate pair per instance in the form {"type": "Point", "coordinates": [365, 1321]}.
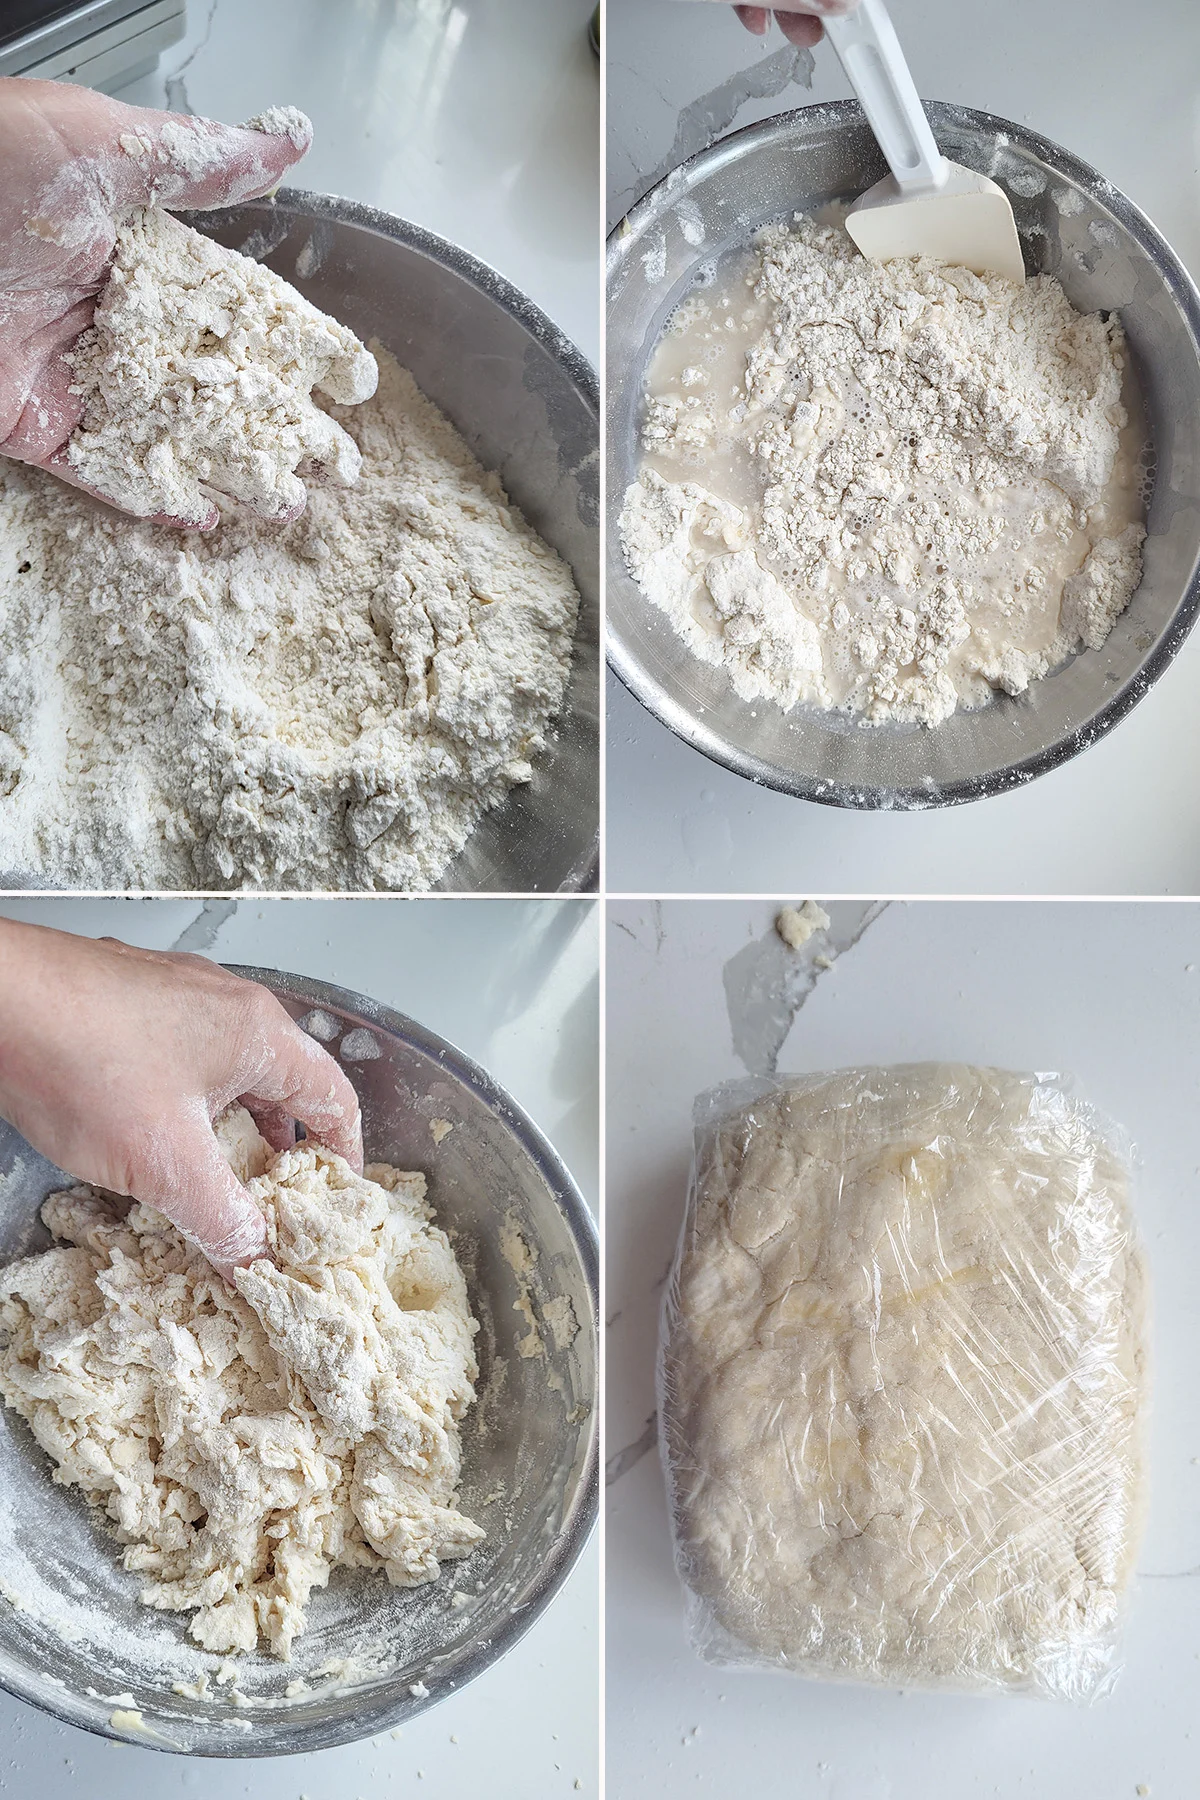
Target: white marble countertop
{"type": "Point", "coordinates": [1110, 993]}
{"type": "Point", "coordinates": [478, 122]}
{"type": "Point", "coordinates": [515, 984]}
{"type": "Point", "coordinates": [1124, 818]}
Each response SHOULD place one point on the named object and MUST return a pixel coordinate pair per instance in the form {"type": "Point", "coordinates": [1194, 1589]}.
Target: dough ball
{"type": "Point", "coordinates": [902, 1380]}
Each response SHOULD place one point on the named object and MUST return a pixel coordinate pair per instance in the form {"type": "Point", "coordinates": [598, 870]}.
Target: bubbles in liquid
{"type": "Point", "coordinates": [706, 274]}
{"type": "Point", "coordinates": [1145, 469]}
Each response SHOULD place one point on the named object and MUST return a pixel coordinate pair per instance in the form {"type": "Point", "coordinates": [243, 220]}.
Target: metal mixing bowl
{"type": "Point", "coordinates": [527, 403]}
{"type": "Point", "coordinates": [1107, 255]}
{"type": "Point", "coordinates": [529, 1444]}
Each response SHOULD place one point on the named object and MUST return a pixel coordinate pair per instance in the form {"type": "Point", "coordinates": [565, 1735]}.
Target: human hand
{"type": "Point", "coordinates": [74, 162]}
{"type": "Point", "coordinates": [799, 20]}
{"type": "Point", "coordinates": [115, 1061]}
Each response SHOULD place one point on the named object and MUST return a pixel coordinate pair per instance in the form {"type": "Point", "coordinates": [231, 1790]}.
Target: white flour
{"type": "Point", "coordinates": [197, 379]}
{"type": "Point", "coordinates": [245, 1442]}
{"type": "Point", "coordinates": [893, 488]}
{"type": "Point", "coordinates": [283, 121]}
{"type": "Point", "coordinates": [330, 703]}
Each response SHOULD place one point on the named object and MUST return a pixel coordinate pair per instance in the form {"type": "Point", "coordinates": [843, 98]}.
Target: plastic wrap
{"type": "Point", "coordinates": [902, 1381]}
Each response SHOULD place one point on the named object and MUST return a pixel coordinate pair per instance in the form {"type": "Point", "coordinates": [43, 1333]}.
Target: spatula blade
{"type": "Point", "coordinates": [968, 221]}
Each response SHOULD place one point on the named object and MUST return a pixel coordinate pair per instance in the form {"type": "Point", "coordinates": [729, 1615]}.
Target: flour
{"type": "Point", "coordinates": [197, 379]}
{"type": "Point", "coordinates": [903, 1382]}
{"type": "Point", "coordinates": [329, 703]}
{"type": "Point", "coordinates": [283, 121]}
{"type": "Point", "coordinates": [890, 488]}
{"type": "Point", "coordinates": [244, 1443]}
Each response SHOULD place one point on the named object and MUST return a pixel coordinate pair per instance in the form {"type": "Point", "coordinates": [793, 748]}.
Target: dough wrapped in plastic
{"type": "Point", "coordinates": [902, 1381]}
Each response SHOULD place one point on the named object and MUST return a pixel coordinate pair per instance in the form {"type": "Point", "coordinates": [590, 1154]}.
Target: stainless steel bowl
{"type": "Point", "coordinates": [527, 403]}
{"type": "Point", "coordinates": [529, 1445]}
{"type": "Point", "coordinates": [1107, 255]}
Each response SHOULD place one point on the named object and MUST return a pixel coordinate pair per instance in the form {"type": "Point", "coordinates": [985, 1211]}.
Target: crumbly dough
{"type": "Point", "coordinates": [902, 1382]}
{"type": "Point", "coordinates": [330, 704]}
{"type": "Point", "coordinates": [245, 1443]}
{"type": "Point", "coordinates": [197, 379]}
{"type": "Point", "coordinates": [891, 488]}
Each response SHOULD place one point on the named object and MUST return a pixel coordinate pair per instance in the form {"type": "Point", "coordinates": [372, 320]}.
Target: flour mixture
{"type": "Point", "coordinates": [889, 488]}
{"type": "Point", "coordinates": [328, 703]}
{"type": "Point", "coordinates": [246, 1441]}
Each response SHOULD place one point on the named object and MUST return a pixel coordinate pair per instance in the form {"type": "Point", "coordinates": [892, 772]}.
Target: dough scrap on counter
{"type": "Point", "coordinates": [245, 1442]}
{"type": "Point", "coordinates": [796, 924]}
{"type": "Point", "coordinates": [902, 1383]}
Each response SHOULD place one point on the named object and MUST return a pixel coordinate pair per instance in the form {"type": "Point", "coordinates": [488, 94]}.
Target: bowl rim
{"type": "Point", "coordinates": [581, 1514]}
{"type": "Point", "coordinates": [480, 274]}
{"type": "Point", "coordinates": [860, 796]}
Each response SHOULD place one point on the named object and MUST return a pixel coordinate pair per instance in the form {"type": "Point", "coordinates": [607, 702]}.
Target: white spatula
{"type": "Point", "coordinates": [927, 206]}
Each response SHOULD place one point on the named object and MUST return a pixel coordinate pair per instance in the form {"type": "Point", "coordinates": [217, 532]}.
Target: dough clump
{"type": "Point", "coordinates": [197, 379]}
{"type": "Point", "coordinates": [902, 1380]}
{"type": "Point", "coordinates": [245, 1443]}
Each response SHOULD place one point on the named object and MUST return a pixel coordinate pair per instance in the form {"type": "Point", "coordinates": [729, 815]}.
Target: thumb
{"type": "Point", "coordinates": [181, 161]}
{"type": "Point", "coordinates": [112, 157]}
{"type": "Point", "coordinates": [194, 1187]}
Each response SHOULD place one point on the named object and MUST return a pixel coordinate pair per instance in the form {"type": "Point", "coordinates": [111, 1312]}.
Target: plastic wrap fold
{"type": "Point", "coordinates": [902, 1380]}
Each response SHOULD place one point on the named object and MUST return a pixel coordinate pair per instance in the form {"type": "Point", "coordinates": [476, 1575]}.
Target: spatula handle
{"type": "Point", "coordinates": [869, 51]}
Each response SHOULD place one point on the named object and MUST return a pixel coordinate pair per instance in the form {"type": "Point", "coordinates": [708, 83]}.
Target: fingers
{"type": "Point", "coordinates": [799, 20]}
{"type": "Point", "coordinates": [302, 1081]}
{"type": "Point", "coordinates": [190, 1183]}
{"type": "Point", "coordinates": [800, 30]}
{"type": "Point", "coordinates": [273, 1123]}
{"type": "Point", "coordinates": [59, 464]}
{"type": "Point", "coordinates": [189, 162]}
{"type": "Point", "coordinates": [108, 157]}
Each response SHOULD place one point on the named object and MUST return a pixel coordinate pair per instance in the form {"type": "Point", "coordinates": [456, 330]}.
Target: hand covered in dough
{"type": "Point", "coordinates": [800, 22]}
{"type": "Point", "coordinates": [74, 163]}
{"type": "Point", "coordinates": [115, 1061]}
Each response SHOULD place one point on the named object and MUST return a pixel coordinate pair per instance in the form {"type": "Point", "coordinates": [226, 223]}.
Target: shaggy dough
{"type": "Point", "coordinates": [902, 1382]}
{"type": "Point", "coordinates": [245, 1443]}
{"type": "Point", "coordinates": [197, 376]}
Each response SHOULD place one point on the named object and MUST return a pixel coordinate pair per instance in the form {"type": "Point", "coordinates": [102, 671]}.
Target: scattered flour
{"type": "Point", "coordinates": [890, 488]}
{"type": "Point", "coordinates": [328, 703]}
{"type": "Point", "coordinates": [197, 380]}
{"type": "Point", "coordinates": [246, 1442]}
